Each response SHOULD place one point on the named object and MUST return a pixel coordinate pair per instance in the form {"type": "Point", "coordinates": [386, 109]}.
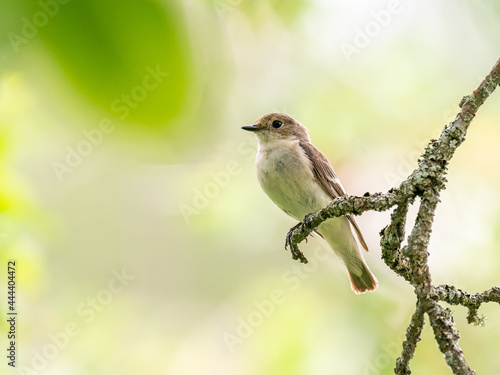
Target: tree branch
{"type": "Point", "coordinates": [412, 338]}
{"type": "Point", "coordinates": [391, 238]}
{"type": "Point", "coordinates": [472, 301]}
{"type": "Point", "coordinates": [416, 250]}
{"type": "Point", "coordinates": [447, 338]}
{"type": "Point", "coordinates": [410, 262]}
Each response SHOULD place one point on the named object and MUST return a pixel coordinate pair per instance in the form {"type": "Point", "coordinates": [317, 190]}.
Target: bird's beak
{"type": "Point", "coordinates": [251, 128]}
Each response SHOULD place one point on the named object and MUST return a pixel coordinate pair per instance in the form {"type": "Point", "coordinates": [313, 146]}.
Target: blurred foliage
{"type": "Point", "coordinates": [168, 190]}
{"type": "Point", "coordinates": [106, 48]}
{"type": "Point", "coordinates": [287, 11]}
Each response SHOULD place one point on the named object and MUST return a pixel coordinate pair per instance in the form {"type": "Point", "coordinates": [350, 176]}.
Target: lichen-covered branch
{"type": "Point", "coordinates": [418, 241]}
{"type": "Point", "coordinates": [447, 337]}
{"type": "Point", "coordinates": [391, 238]}
{"type": "Point", "coordinates": [410, 262]}
{"type": "Point", "coordinates": [455, 296]}
{"type": "Point", "coordinates": [413, 333]}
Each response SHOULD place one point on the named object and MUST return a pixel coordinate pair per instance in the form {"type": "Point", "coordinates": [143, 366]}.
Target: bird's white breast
{"type": "Point", "coordinates": [285, 175]}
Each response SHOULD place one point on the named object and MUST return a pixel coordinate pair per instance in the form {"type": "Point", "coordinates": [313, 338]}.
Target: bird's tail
{"type": "Point", "coordinates": [361, 278]}
{"type": "Point", "coordinates": [337, 232]}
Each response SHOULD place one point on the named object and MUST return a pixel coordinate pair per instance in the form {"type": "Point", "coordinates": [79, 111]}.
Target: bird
{"type": "Point", "coordinates": [300, 180]}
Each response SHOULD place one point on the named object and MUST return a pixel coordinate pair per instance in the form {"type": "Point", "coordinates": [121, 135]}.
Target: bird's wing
{"type": "Point", "coordinates": [326, 177]}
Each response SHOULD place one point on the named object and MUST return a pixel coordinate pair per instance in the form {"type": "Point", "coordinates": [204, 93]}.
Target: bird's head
{"type": "Point", "coordinates": [277, 126]}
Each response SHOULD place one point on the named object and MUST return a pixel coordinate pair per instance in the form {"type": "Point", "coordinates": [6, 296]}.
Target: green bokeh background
{"type": "Point", "coordinates": [166, 192]}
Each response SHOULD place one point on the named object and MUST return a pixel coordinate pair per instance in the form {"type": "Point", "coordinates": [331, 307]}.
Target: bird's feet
{"type": "Point", "coordinates": [307, 222]}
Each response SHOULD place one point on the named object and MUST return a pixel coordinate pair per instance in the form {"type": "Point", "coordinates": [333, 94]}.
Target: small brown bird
{"type": "Point", "coordinates": [299, 179]}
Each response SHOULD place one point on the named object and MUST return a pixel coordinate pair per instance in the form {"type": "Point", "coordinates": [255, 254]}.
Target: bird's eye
{"type": "Point", "coordinates": [277, 124]}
